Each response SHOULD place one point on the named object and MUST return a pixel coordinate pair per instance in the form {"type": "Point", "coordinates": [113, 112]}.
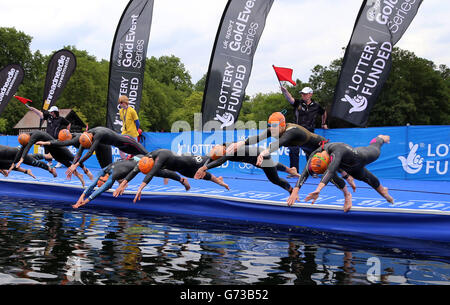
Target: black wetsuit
{"type": "Point", "coordinates": [350, 159]}
{"type": "Point", "coordinates": [294, 135]}
{"type": "Point", "coordinates": [165, 159]}
{"type": "Point", "coordinates": [119, 170]}
{"type": "Point", "coordinates": [102, 151]}
{"type": "Point", "coordinates": [106, 136]}
{"type": "Point", "coordinates": [60, 154]}
{"type": "Point", "coordinates": [8, 154]}
{"type": "Point", "coordinates": [249, 154]}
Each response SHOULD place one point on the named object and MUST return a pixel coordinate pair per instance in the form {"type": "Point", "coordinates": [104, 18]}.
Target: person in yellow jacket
{"type": "Point", "coordinates": [130, 120]}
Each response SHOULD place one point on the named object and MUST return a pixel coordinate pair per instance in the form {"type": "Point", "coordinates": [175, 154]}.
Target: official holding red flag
{"type": "Point", "coordinates": [305, 110]}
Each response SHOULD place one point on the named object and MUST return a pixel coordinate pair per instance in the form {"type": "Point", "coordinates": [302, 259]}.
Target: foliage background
{"type": "Point", "coordinates": [417, 91]}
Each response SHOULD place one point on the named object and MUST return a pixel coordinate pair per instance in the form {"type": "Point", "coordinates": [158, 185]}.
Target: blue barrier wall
{"type": "Point", "coordinates": [415, 152]}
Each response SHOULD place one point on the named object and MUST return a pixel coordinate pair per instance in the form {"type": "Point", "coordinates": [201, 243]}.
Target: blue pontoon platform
{"type": "Point", "coordinates": [421, 209]}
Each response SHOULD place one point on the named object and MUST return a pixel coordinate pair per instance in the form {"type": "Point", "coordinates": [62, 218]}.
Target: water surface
{"type": "Point", "coordinates": [50, 243]}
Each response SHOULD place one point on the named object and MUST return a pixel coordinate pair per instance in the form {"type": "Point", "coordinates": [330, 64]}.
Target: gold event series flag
{"type": "Point", "coordinates": [127, 63]}
{"type": "Point", "coordinates": [367, 60]}
{"type": "Point", "coordinates": [231, 61]}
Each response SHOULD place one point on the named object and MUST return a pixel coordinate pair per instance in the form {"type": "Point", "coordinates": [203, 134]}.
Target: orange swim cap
{"type": "Point", "coordinates": [277, 118]}
{"type": "Point", "coordinates": [146, 165]}
{"type": "Point", "coordinates": [86, 139]}
{"type": "Point", "coordinates": [319, 162]}
{"type": "Point", "coordinates": [64, 135]}
{"type": "Point", "coordinates": [217, 152]}
{"type": "Point", "coordinates": [24, 138]}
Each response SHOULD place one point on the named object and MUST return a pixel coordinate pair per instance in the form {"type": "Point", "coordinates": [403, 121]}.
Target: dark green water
{"type": "Point", "coordinates": [50, 243]}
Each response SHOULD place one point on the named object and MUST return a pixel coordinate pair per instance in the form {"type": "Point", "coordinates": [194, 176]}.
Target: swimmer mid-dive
{"type": "Point", "coordinates": [8, 154]}
{"type": "Point", "coordinates": [248, 154]}
{"type": "Point", "coordinates": [287, 135]}
{"type": "Point", "coordinates": [97, 136]}
{"type": "Point", "coordinates": [116, 172]}
{"type": "Point", "coordinates": [165, 159]}
{"type": "Point", "coordinates": [335, 156]}
{"type": "Point", "coordinates": [60, 154]}
{"type": "Point", "coordinates": [66, 138]}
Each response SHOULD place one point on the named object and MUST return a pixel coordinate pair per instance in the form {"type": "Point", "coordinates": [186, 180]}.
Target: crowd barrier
{"type": "Point", "coordinates": [415, 152]}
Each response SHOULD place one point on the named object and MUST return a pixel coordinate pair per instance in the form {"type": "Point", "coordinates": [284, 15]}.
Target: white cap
{"type": "Point", "coordinates": [53, 108]}
{"type": "Point", "coordinates": [306, 90]}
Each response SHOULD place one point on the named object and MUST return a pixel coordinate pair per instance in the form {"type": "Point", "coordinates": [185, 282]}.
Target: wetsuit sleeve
{"type": "Point", "coordinates": [73, 142]}
{"type": "Point", "coordinates": [332, 169]}
{"type": "Point", "coordinates": [106, 186]}
{"type": "Point", "coordinates": [90, 151]}
{"type": "Point", "coordinates": [159, 162]}
{"type": "Point", "coordinates": [25, 150]}
{"type": "Point", "coordinates": [133, 173]}
{"type": "Point", "coordinates": [91, 187]}
{"type": "Point", "coordinates": [216, 163]}
{"type": "Point", "coordinates": [257, 138]}
{"type": "Point", "coordinates": [77, 157]}
{"type": "Point", "coordinates": [19, 154]}
{"type": "Point", "coordinates": [303, 177]}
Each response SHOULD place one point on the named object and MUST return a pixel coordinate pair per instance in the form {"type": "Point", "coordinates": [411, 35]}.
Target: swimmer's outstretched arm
{"type": "Point", "coordinates": [139, 191]}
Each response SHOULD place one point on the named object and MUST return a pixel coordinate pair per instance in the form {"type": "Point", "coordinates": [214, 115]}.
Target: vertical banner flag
{"type": "Point", "coordinates": [11, 77]}
{"type": "Point", "coordinates": [60, 68]}
{"type": "Point", "coordinates": [231, 61]}
{"type": "Point", "coordinates": [367, 60]}
{"type": "Point", "coordinates": [128, 54]}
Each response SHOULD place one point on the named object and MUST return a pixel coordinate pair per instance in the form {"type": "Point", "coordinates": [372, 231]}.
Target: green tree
{"type": "Point", "coordinates": [15, 48]}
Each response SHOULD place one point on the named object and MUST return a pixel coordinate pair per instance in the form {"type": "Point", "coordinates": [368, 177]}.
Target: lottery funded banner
{"type": "Point", "coordinates": [239, 32]}
{"type": "Point", "coordinates": [367, 60]}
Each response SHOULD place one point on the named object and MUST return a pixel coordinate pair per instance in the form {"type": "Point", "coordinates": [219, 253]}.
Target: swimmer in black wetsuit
{"type": "Point", "coordinates": [288, 135]}
{"type": "Point", "coordinates": [60, 154]}
{"type": "Point", "coordinates": [249, 154]}
{"type": "Point", "coordinates": [165, 159]}
{"type": "Point", "coordinates": [353, 161]}
{"type": "Point", "coordinates": [102, 151]}
{"type": "Point", "coordinates": [116, 172]}
{"type": "Point", "coordinates": [105, 136]}
{"type": "Point", "coordinates": [8, 154]}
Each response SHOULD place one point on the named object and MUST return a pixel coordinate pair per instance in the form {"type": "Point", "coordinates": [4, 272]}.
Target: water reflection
{"type": "Point", "coordinates": [44, 243]}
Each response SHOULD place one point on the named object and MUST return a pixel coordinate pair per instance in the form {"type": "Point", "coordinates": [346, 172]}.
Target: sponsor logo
{"type": "Point", "coordinates": [12, 75]}
{"type": "Point", "coordinates": [227, 119]}
{"type": "Point", "coordinates": [413, 163]}
{"type": "Point", "coordinates": [390, 12]}
{"type": "Point", "coordinates": [359, 103]}
{"type": "Point", "coordinates": [59, 77]}
{"type": "Point", "coordinates": [436, 161]}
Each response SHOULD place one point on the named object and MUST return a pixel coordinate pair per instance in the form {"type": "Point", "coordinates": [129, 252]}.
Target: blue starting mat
{"type": "Point", "coordinates": [421, 209]}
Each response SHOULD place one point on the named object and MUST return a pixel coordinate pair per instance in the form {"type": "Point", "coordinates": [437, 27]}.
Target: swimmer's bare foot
{"type": "Point", "coordinates": [52, 171]}
{"type": "Point", "coordinates": [292, 171]}
{"type": "Point", "coordinates": [185, 182]}
{"type": "Point", "coordinates": [88, 173]}
{"type": "Point", "coordinates": [383, 191]}
{"type": "Point", "coordinates": [221, 183]}
{"type": "Point", "coordinates": [386, 139]}
{"type": "Point", "coordinates": [351, 182]}
{"type": "Point", "coordinates": [166, 181]}
{"type": "Point", "coordinates": [28, 172]}
{"type": "Point", "coordinates": [348, 202]}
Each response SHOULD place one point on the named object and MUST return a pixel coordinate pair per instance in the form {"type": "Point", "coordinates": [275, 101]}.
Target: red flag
{"type": "Point", "coordinates": [22, 99]}
{"type": "Point", "coordinates": [284, 74]}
